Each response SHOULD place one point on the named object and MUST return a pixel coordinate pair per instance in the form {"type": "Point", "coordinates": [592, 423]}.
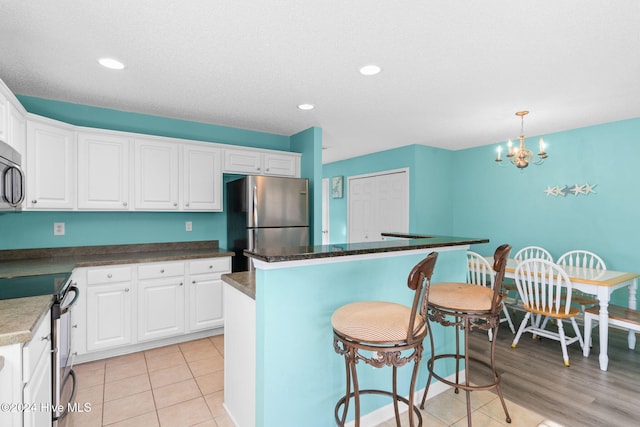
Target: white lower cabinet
{"type": "Point", "coordinates": [133, 305]}
{"type": "Point", "coordinates": [205, 293]}
{"type": "Point", "coordinates": [108, 307]}
{"type": "Point", "coordinates": [160, 307]}
{"type": "Point", "coordinates": [25, 380]}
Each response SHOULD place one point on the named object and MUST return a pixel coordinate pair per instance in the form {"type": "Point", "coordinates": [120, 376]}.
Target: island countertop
{"type": "Point", "coordinates": [297, 253]}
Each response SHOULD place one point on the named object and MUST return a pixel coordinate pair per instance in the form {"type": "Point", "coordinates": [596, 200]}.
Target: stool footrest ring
{"type": "Point", "coordinates": [342, 401]}
{"type": "Point", "coordinates": [490, 386]}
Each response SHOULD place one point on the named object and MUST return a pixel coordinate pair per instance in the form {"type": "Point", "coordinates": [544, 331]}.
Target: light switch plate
{"type": "Point", "coordinates": [188, 226]}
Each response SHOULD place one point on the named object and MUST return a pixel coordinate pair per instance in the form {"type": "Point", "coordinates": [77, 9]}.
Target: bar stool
{"type": "Point", "coordinates": [383, 334]}
{"type": "Point", "coordinates": [468, 306]}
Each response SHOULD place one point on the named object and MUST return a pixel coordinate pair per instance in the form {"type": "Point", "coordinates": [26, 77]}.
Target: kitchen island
{"type": "Point", "coordinates": [281, 340]}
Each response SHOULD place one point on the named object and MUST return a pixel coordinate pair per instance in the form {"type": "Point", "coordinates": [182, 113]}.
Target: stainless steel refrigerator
{"type": "Point", "coordinates": [266, 212]}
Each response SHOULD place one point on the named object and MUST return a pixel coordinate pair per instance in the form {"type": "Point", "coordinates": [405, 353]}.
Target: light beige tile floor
{"type": "Point", "coordinates": [183, 385]}
{"type": "Point", "coordinates": [177, 385]}
{"type": "Point", "coordinates": [449, 409]}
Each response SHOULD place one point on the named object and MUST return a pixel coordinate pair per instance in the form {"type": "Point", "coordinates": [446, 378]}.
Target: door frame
{"type": "Point", "coordinates": [326, 217]}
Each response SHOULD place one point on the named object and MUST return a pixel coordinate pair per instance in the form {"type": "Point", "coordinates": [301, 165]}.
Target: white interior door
{"type": "Point", "coordinates": [325, 211]}
{"type": "Point", "coordinates": [378, 203]}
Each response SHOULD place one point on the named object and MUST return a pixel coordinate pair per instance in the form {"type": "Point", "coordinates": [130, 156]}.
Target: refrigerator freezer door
{"type": "Point", "coordinates": [285, 237]}
{"type": "Point", "coordinates": [259, 238]}
{"type": "Point", "coordinates": [277, 202]}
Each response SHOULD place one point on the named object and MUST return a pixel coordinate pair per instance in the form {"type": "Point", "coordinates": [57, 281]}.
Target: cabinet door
{"type": "Point", "coordinates": [205, 302]}
{"type": "Point", "coordinates": [281, 164]}
{"type": "Point", "coordinates": [160, 308]}
{"type": "Point", "coordinates": [17, 131]}
{"type": "Point", "coordinates": [38, 393]}
{"type": "Point", "coordinates": [156, 175]}
{"type": "Point", "coordinates": [243, 161]}
{"type": "Point", "coordinates": [103, 172]}
{"type": "Point", "coordinates": [202, 186]}
{"type": "Point", "coordinates": [50, 166]}
{"type": "Point", "coordinates": [4, 118]}
{"type": "Point", "coordinates": [108, 316]}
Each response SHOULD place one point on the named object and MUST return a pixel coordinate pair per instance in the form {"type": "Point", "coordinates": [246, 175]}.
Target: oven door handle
{"type": "Point", "coordinates": [76, 291]}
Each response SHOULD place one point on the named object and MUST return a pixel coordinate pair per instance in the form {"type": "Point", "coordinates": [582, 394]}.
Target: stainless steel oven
{"type": "Point", "coordinates": [63, 379]}
{"type": "Point", "coordinates": [64, 294]}
{"type": "Point", "coordinates": [12, 189]}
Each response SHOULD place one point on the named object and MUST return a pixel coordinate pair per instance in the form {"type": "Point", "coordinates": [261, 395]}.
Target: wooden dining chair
{"type": "Point", "coordinates": [584, 259]}
{"type": "Point", "coordinates": [546, 291]}
{"type": "Point", "coordinates": [480, 272]}
{"type": "Point", "coordinates": [509, 285]}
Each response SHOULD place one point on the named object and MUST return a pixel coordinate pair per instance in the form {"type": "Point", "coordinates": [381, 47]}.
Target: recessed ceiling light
{"type": "Point", "coordinates": [306, 106]}
{"type": "Point", "coordinates": [111, 63]}
{"type": "Point", "coordinates": [370, 70]}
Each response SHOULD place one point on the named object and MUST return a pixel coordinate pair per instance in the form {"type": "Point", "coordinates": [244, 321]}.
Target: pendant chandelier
{"type": "Point", "coordinates": [520, 156]}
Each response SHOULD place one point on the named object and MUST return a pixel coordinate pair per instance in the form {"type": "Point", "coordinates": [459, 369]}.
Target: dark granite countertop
{"type": "Point", "coordinates": [27, 262]}
{"type": "Point", "coordinates": [297, 253]}
{"type": "Point", "coordinates": [405, 235]}
{"type": "Point", "coordinates": [244, 281]}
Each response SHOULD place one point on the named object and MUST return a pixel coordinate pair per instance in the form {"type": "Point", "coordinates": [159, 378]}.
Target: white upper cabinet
{"type": "Point", "coordinates": [281, 164]}
{"type": "Point", "coordinates": [261, 162]}
{"type": "Point", "coordinates": [13, 126]}
{"type": "Point", "coordinates": [50, 165]}
{"type": "Point", "coordinates": [156, 175]}
{"type": "Point", "coordinates": [103, 171]}
{"type": "Point", "coordinates": [4, 118]}
{"type": "Point", "coordinates": [17, 136]}
{"type": "Point", "coordinates": [202, 178]}
{"type": "Point", "coordinates": [242, 161]}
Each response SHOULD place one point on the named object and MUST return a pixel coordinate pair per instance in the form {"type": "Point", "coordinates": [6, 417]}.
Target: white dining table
{"type": "Point", "coordinates": [601, 284]}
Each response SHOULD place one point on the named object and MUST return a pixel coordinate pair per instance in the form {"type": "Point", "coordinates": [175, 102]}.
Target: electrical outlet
{"type": "Point", "coordinates": [188, 226]}
{"type": "Point", "coordinates": [58, 228]}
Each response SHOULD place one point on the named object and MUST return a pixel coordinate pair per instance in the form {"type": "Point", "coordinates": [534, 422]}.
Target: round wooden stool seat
{"type": "Point", "coordinates": [462, 297]}
{"type": "Point", "coordinates": [375, 322]}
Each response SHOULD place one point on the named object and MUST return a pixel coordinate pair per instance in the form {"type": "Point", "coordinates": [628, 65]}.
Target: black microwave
{"type": "Point", "coordinates": [12, 189]}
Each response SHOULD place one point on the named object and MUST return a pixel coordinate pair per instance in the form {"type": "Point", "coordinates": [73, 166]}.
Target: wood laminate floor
{"type": "Point", "coordinates": [581, 395]}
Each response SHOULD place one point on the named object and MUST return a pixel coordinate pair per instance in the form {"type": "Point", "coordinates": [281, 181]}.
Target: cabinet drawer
{"type": "Point", "coordinates": [108, 275]}
{"type": "Point", "coordinates": [34, 349]}
{"type": "Point", "coordinates": [161, 269]}
{"type": "Point", "coordinates": [210, 265]}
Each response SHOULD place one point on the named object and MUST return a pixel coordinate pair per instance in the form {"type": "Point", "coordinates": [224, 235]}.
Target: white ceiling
{"type": "Point", "coordinates": [454, 72]}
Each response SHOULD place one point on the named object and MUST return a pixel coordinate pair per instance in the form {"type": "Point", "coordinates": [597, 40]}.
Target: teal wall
{"type": "Point", "coordinates": [104, 118]}
{"type": "Point", "coordinates": [429, 187]}
{"type": "Point", "coordinates": [507, 205]}
{"type": "Point", "coordinates": [309, 143]}
{"type": "Point", "coordinates": [465, 193]}
{"type": "Point", "coordinates": [299, 376]}
{"type": "Point", "coordinates": [30, 229]}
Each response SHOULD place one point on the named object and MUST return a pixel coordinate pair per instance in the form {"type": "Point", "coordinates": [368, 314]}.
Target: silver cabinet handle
{"type": "Point", "coordinates": [211, 266]}
{"type": "Point", "coordinates": [181, 283]}
{"type": "Point", "coordinates": [34, 201]}
{"type": "Point", "coordinates": [45, 338]}
{"type": "Point", "coordinates": [187, 205]}
{"type": "Point", "coordinates": [175, 204]}
{"type": "Point", "coordinates": [126, 289]}
{"type": "Point", "coordinates": [194, 282]}
{"type": "Point", "coordinates": [75, 326]}
{"type": "Point", "coordinates": [124, 204]}
{"type": "Point", "coordinates": [162, 271]}
{"type": "Point", "coordinates": [109, 276]}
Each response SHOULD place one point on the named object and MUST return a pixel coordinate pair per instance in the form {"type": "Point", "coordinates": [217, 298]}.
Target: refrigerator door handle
{"type": "Point", "coordinates": [254, 211]}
